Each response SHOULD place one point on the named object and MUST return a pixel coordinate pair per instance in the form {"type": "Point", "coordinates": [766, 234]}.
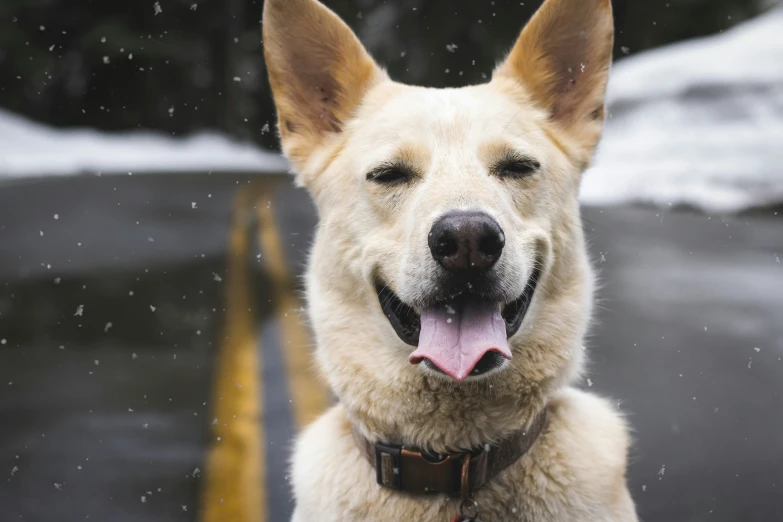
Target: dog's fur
{"type": "Point", "coordinates": [339, 117]}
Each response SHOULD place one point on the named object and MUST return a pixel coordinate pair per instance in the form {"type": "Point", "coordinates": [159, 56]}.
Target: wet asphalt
{"type": "Point", "coordinates": [111, 325]}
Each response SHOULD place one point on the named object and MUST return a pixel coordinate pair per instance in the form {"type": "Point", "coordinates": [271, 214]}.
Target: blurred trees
{"type": "Point", "coordinates": [184, 65]}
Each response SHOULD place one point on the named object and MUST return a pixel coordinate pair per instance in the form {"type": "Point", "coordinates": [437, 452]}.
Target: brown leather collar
{"type": "Point", "coordinates": [455, 474]}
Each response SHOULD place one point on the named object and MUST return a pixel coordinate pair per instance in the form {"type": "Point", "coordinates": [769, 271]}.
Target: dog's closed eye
{"type": "Point", "coordinates": [515, 166]}
{"type": "Point", "coordinates": [391, 173]}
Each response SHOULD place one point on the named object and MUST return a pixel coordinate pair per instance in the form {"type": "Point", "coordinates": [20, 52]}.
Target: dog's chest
{"type": "Point", "coordinates": [556, 481]}
{"type": "Point", "coordinates": [380, 505]}
{"type": "Point", "coordinates": [349, 493]}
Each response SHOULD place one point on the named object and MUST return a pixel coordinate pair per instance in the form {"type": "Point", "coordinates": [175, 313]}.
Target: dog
{"type": "Point", "coordinates": [448, 286]}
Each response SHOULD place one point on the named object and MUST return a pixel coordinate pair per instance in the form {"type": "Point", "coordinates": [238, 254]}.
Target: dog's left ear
{"type": "Point", "coordinates": [562, 58]}
{"type": "Point", "coordinates": [318, 70]}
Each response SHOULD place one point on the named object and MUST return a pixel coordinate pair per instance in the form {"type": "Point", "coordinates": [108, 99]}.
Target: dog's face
{"type": "Point", "coordinates": [450, 232]}
{"type": "Point", "coordinates": [446, 197]}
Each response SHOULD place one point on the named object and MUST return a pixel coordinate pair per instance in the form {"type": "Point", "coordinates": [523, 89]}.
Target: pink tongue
{"type": "Point", "coordinates": [455, 336]}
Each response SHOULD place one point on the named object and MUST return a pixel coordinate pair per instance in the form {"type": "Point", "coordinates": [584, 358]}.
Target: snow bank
{"type": "Point", "coordinates": [29, 149]}
{"type": "Point", "coordinates": [698, 123]}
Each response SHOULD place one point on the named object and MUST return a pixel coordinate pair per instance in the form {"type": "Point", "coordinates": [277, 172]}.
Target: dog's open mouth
{"type": "Point", "coordinates": [461, 337]}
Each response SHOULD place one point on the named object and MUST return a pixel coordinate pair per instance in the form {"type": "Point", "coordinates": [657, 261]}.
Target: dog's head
{"type": "Point", "coordinates": [450, 231]}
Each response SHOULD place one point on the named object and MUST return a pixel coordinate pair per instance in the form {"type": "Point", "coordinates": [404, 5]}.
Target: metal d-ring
{"type": "Point", "coordinates": [469, 509]}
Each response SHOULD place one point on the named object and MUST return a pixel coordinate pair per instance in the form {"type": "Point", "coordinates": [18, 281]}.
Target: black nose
{"type": "Point", "coordinates": [466, 241]}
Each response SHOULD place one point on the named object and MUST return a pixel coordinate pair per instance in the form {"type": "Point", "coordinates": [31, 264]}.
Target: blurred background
{"type": "Point", "coordinates": [153, 354]}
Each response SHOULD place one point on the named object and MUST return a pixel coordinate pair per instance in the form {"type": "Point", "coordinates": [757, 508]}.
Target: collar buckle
{"type": "Point", "coordinates": [388, 465]}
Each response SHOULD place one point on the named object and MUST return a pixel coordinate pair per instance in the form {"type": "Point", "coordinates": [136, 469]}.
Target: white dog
{"type": "Point", "coordinates": [448, 287]}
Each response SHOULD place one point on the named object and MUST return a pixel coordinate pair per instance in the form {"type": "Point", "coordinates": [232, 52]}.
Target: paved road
{"type": "Point", "coordinates": [162, 380]}
{"type": "Point", "coordinates": [689, 339]}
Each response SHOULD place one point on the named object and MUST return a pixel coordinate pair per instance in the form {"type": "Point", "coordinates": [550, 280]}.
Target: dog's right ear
{"type": "Point", "coordinates": [318, 70]}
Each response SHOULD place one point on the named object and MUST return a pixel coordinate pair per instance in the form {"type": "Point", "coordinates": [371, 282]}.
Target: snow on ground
{"type": "Point", "coordinates": [29, 150]}
{"type": "Point", "coordinates": [698, 123]}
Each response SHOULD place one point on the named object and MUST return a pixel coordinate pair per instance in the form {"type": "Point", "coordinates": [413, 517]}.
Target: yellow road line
{"type": "Point", "coordinates": [235, 480]}
{"type": "Point", "coordinates": [309, 395]}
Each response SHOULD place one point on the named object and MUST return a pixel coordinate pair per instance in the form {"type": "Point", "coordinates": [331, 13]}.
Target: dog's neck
{"type": "Point", "coordinates": [440, 417]}
{"type": "Point", "coordinates": [418, 471]}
